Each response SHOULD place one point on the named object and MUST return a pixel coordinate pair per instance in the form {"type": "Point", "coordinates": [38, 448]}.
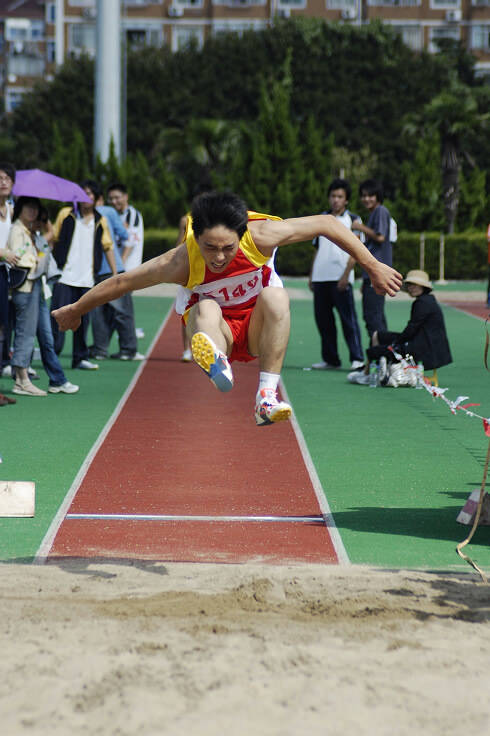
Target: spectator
{"type": "Point", "coordinates": [132, 249]}
{"type": "Point", "coordinates": [331, 280]}
{"type": "Point", "coordinates": [377, 232]}
{"type": "Point", "coordinates": [25, 297]}
{"type": "Point", "coordinates": [7, 258]}
{"type": "Point", "coordinates": [424, 337]}
{"type": "Point", "coordinates": [58, 383]}
{"type": "Point", "coordinates": [81, 236]}
{"type": "Point", "coordinates": [117, 315]}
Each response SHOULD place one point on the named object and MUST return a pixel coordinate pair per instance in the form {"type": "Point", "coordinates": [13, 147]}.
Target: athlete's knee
{"type": "Point", "coordinates": [207, 309]}
{"type": "Point", "coordinates": [274, 301]}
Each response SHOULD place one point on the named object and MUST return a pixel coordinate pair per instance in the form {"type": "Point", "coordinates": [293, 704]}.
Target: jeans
{"type": "Point", "coordinates": [49, 358]}
{"type": "Point", "coordinates": [64, 294]}
{"type": "Point", "coordinates": [26, 318]}
{"type": "Point", "coordinates": [116, 315]}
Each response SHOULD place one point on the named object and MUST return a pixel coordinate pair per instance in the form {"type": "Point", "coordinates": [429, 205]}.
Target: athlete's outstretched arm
{"type": "Point", "coordinates": [169, 268]}
{"type": "Point", "coordinates": [269, 234]}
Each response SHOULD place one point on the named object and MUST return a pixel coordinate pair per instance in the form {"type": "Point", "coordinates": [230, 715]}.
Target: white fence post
{"type": "Point", "coordinates": [441, 279]}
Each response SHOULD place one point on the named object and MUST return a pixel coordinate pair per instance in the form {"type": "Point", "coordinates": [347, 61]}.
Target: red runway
{"type": "Point", "coordinates": [181, 450]}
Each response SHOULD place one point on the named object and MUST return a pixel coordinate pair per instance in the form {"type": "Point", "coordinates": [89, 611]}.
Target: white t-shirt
{"type": "Point", "coordinates": [331, 261]}
{"type": "Point", "coordinates": [134, 221]}
{"type": "Point", "coordinates": [79, 267]}
{"type": "Point", "coordinates": [5, 226]}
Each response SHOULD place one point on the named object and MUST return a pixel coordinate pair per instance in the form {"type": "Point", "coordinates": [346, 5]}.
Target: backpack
{"type": "Point", "coordinates": [393, 230]}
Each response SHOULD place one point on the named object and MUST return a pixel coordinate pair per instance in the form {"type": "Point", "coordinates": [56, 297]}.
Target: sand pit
{"type": "Point", "coordinates": [152, 648]}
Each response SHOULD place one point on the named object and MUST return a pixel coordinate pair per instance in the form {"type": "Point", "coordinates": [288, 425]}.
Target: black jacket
{"type": "Point", "coordinates": [425, 335]}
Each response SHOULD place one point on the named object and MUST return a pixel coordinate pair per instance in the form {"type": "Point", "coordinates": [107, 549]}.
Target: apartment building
{"type": "Point", "coordinates": [36, 36]}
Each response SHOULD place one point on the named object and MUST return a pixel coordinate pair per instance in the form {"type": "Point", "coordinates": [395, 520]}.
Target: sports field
{"type": "Point", "coordinates": [196, 574]}
{"type": "Point", "coordinates": [394, 465]}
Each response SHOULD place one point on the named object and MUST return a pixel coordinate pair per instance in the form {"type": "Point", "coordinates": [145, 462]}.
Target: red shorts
{"type": "Point", "coordinates": [239, 330]}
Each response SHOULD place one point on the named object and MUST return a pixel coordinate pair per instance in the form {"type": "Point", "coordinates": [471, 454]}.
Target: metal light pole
{"type": "Point", "coordinates": [107, 122]}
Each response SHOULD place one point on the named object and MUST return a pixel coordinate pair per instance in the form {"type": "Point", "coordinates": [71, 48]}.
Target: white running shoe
{"type": "Point", "coordinates": [186, 356]}
{"type": "Point", "coordinates": [86, 365]}
{"type": "Point", "coordinates": [26, 388]}
{"type": "Point", "coordinates": [358, 377]}
{"type": "Point", "coordinates": [140, 333]}
{"type": "Point", "coordinates": [64, 388]}
{"type": "Point", "coordinates": [324, 367]}
{"type": "Point", "coordinates": [213, 362]}
{"type": "Point", "coordinates": [357, 365]}
{"type": "Point", "coordinates": [268, 410]}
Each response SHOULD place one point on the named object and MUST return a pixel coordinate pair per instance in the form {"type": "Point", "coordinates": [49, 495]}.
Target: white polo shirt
{"type": "Point", "coordinates": [331, 261]}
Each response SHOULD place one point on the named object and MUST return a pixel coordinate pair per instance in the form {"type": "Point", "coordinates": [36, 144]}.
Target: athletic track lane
{"type": "Point", "coordinates": [180, 449]}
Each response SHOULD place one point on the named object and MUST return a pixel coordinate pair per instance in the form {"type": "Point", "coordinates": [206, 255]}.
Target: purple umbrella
{"type": "Point", "coordinates": [37, 183]}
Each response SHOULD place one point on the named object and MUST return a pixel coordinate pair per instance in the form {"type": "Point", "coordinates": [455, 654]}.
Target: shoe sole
{"type": "Point", "coordinates": [203, 352]}
{"type": "Point", "coordinates": [20, 392]}
{"type": "Point", "coordinates": [55, 390]}
{"type": "Point", "coordinates": [282, 414]}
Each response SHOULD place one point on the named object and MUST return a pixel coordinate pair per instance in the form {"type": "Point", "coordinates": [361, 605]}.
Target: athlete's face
{"type": "Point", "coordinates": [218, 247]}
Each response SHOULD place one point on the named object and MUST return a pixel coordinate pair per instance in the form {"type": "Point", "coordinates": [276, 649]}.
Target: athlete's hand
{"type": "Point", "coordinates": [385, 280]}
{"type": "Point", "coordinates": [67, 318]}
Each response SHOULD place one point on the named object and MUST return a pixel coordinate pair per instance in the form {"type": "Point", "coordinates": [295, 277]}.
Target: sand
{"type": "Point", "coordinates": [107, 647]}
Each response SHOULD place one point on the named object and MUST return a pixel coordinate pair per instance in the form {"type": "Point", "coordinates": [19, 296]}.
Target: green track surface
{"type": "Point", "coordinates": [396, 465]}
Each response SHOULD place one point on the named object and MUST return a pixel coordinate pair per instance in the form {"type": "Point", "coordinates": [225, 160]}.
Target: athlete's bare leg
{"type": "Point", "coordinates": [206, 316]}
{"type": "Point", "coordinates": [269, 326]}
{"type": "Point", "coordinates": [211, 341]}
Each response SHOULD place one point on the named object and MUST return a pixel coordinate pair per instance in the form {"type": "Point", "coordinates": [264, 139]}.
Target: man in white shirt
{"type": "Point", "coordinates": [331, 280]}
{"type": "Point", "coordinates": [81, 236]}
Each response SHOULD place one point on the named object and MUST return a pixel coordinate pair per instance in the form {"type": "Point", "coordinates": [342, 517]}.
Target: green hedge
{"type": "Point", "coordinates": [465, 254]}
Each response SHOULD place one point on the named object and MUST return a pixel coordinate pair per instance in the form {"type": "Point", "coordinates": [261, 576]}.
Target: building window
{"type": "Point", "coordinates": [189, 3]}
{"type": "Point", "coordinates": [82, 37]}
{"type": "Point", "coordinates": [51, 13]}
{"type": "Point", "coordinates": [22, 29]}
{"type": "Point", "coordinates": [239, 27]}
{"type": "Point", "coordinates": [50, 51]}
{"type": "Point", "coordinates": [442, 32]}
{"type": "Point", "coordinates": [411, 35]}
{"type": "Point", "coordinates": [342, 5]}
{"type": "Point", "coordinates": [182, 36]}
{"type": "Point", "coordinates": [438, 4]}
{"type": "Point", "coordinates": [395, 2]}
{"type": "Point", "coordinates": [25, 66]}
{"type": "Point", "coordinates": [480, 37]}
{"type": "Point", "coordinates": [13, 98]}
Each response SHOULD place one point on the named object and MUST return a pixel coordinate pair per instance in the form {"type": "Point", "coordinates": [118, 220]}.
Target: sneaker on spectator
{"type": "Point", "coordinates": [268, 410]}
{"type": "Point", "coordinates": [86, 365]}
{"type": "Point", "coordinates": [92, 353]}
{"type": "Point", "coordinates": [125, 356]}
{"type": "Point", "coordinates": [186, 356]}
{"type": "Point", "coordinates": [33, 375]}
{"type": "Point", "coordinates": [7, 371]}
{"type": "Point", "coordinates": [357, 365]}
{"type": "Point", "coordinates": [140, 333]}
{"type": "Point", "coordinates": [213, 362]}
{"type": "Point", "coordinates": [64, 388]}
{"type": "Point", "coordinates": [358, 377]}
{"type": "Point", "coordinates": [26, 388]}
{"type": "Point", "coordinates": [322, 366]}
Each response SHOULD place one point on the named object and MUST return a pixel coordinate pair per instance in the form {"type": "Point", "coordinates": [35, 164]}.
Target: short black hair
{"type": "Point", "coordinates": [20, 202]}
{"type": "Point", "coordinates": [340, 184]}
{"type": "Point", "coordinates": [94, 187]}
{"type": "Point", "coordinates": [372, 187]}
{"type": "Point", "coordinates": [211, 209]}
{"type": "Point", "coordinates": [119, 186]}
{"type": "Point", "coordinates": [8, 168]}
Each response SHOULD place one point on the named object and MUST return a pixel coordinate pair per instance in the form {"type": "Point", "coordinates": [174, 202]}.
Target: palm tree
{"type": "Point", "coordinates": [453, 114]}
